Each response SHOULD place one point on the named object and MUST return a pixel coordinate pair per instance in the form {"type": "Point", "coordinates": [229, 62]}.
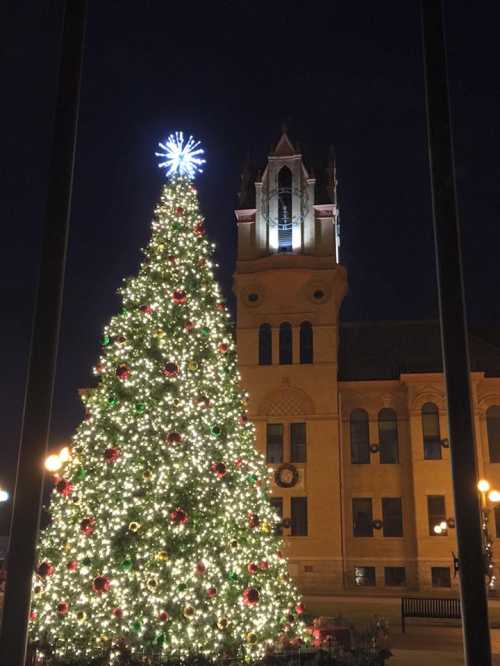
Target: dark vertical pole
{"type": "Point", "coordinates": [455, 342]}
{"type": "Point", "coordinates": [45, 335]}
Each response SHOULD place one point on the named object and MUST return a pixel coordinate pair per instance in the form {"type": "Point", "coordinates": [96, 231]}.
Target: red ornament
{"type": "Point", "coordinates": [88, 415]}
{"type": "Point", "coordinates": [299, 608]}
{"type": "Point", "coordinates": [212, 592]}
{"type": "Point", "coordinates": [173, 437]}
{"type": "Point", "coordinates": [72, 565]}
{"type": "Point", "coordinates": [64, 487]}
{"type": "Point", "coordinates": [238, 462]}
{"type": "Point", "coordinates": [147, 309]}
{"type": "Point", "coordinates": [99, 368]}
{"type": "Point", "coordinates": [45, 569]}
{"type": "Point", "coordinates": [189, 326]}
{"type": "Point", "coordinates": [199, 229]}
{"type": "Point", "coordinates": [243, 419]}
{"type": "Point", "coordinates": [163, 616]}
{"type": "Point", "coordinates": [101, 584]}
{"type": "Point", "coordinates": [179, 210]}
{"type": "Point", "coordinates": [111, 455]}
{"type": "Point", "coordinates": [223, 347]}
{"type": "Point", "coordinates": [87, 526]}
{"type": "Point", "coordinates": [118, 613]}
{"type": "Point", "coordinates": [179, 297]}
{"type": "Point", "coordinates": [33, 615]}
{"type": "Point", "coordinates": [172, 258]}
{"type": "Point", "coordinates": [171, 369]}
{"type": "Point", "coordinates": [221, 307]}
{"type": "Point", "coordinates": [179, 516]}
{"type": "Point", "coordinates": [263, 564]}
{"type": "Point", "coordinates": [250, 596]}
{"type": "Point", "coordinates": [123, 372]}
{"type": "Point", "coordinates": [252, 568]}
{"type": "Point", "coordinates": [253, 520]}
{"type": "Point", "coordinates": [62, 608]}
{"type": "Point", "coordinates": [120, 339]}
{"type": "Point", "coordinates": [219, 469]}
{"type": "Point", "coordinates": [200, 568]}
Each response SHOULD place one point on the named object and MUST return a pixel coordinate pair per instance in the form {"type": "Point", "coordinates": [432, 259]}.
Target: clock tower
{"type": "Point", "coordinates": [289, 286]}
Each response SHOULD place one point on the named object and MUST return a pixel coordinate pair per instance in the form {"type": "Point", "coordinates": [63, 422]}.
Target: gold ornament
{"type": "Point", "coordinates": [160, 247]}
{"type": "Point", "coordinates": [104, 638]}
{"type": "Point", "coordinates": [152, 584]}
{"type": "Point", "coordinates": [148, 475]}
{"type": "Point", "coordinates": [251, 637]}
{"type": "Point", "coordinates": [162, 555]}
{"type": "Point", "coordinates": [160, 333]}
{"type": "Point", "coordinates": [222, 623]}
{"type": "Point", "coordinates": [81, 616]}
{"type": "Point", "coordinates": [188, 612]}
{"type": "Point", "coordinates": [134, 527]}
{"type": "Point", "coordinates": [265, 526]}
{"type": "Point", "coordinates": [192, 365]}
{"type": "Point", "coordinates": [67, 547]}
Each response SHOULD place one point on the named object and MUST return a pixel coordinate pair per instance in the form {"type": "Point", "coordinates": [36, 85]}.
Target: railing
{"type": "Point", "coordinates": [447, 609]}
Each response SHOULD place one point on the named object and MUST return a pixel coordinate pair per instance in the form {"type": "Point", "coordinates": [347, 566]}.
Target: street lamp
{"type": "Point", "coordinates": [489, 497]}
{"type": "Point", "coordinates": [4, 495]}
{"type": "Point", "coordinates": [55, 461]}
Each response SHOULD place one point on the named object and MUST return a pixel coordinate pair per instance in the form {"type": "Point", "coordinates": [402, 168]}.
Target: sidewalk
{"type": "Point", "coordinates": [433, 643]}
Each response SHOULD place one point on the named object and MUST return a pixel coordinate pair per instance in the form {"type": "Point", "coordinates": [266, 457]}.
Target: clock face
{"type": "Point", "coordinates": [279, 209]}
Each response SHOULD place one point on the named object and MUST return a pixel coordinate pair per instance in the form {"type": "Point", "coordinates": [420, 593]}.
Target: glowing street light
{"type": "Point", "coordinates": [483, 486]}
{"type": "Point", "coordinates": [53, 463]}
{"type": "Point", "coordinates": [4, 495]}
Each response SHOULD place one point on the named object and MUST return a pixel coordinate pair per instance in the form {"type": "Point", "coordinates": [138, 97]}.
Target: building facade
{"type": "Point", "coordinates": [351, 417]}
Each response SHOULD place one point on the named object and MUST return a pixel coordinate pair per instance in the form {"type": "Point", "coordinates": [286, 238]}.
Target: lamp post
{"type": "Point", "coordinates": [489, 498]}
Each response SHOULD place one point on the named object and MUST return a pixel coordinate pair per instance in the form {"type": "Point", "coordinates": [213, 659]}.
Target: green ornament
{"type": "Point", "coordinates": [204, 330]}
{"type": "Point", "coordinates": [80, 474]}
{"type": "Point", "coordinates": [136, 626]}
{"type": "Point", "coordinates": [252, 478]}
{"type": "Point", "coordinates": [176, 226]}
{"type": "Point", "coordinates": [86, 561]}
{"type": "Point", "coordinates": [126, 564]}
{"type": "Point", "coordinates": [182, 587]}
{"type": "Point", "coordinates": [112, 400]}
{"type": "Point", "coordinates": [161, 639]}
{"type": "Point", "coordinates": [216, 430]}
{"type": "Point", "coordinates": [105, 340]}
{"type": "Point", "coordinates": [232, 576]}
{"type": "Point", "coordinates": [140, 408]}
{"type": "Point", "coordinates": [124, 311]}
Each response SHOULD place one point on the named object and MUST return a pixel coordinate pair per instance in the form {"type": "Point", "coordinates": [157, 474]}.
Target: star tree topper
{"type": "Point", "coordinates": [181, 158]}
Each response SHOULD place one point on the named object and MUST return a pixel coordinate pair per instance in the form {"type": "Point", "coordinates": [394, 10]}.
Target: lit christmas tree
{"type": "Point", "coordinates": [162, 539]}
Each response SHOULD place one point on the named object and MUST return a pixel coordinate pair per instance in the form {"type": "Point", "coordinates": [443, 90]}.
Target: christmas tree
{"type": "Point", "coordinates": [161, 542]}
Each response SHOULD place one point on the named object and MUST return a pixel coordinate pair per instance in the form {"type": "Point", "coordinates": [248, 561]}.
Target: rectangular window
{"type": "Point", "coordinates": [298, 443]}
{"type": "Point", "coordinates": [392, 516]}
{"type": "Point", "coordinates": [362, 517]}
{"type": "Point", "coordinates": [274, 443]}
{"type": "Point", "coordinates": [299, 516]}
{"type": "Point", "coordinates": [436, 511]}
{"type": "Point", "coordinates": [277, 504]}
{"type": "Point", "coordinates": [364, 576]}
{"type": "Point", "coordinates": [497, 521]}
{"type": "Point", "coordinates": [388, 437]}
{"type": "Point", "coordinates": [431, 431]}
{"type": "Point", "coordinates": [441, 576]}
{"type": "Point", "coordinates": [395, 576]}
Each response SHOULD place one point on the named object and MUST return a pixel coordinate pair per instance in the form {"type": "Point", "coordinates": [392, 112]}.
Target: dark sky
{"type": "Point", "coordinates": [231, 72]}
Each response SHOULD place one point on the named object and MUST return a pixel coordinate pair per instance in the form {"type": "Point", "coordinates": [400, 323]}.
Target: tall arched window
{"type": "Point", "coordinates": [360, 437]}
{"type": "Point", "coordinates": [285, 210]}
{"type": "Point", "coordinates": [388, 436]}
{"type": "Point", "coordinates": [306, 342]}
{"type": "Point", "coordinates": [265, 345]}
{"type": "Point", "coordinates": [431, 432]}
{"type": "Point", "coordinates": [285, 343]}
{"type": "Point", "coordinates": [493, 427]}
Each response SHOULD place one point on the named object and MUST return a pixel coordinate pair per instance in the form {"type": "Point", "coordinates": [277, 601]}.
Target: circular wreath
{"type": "Point", "coordinates": [279, 476]}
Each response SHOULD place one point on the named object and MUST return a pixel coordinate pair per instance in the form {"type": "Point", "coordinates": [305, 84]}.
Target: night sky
{"type": "Point", "coordinates": [232, 72]}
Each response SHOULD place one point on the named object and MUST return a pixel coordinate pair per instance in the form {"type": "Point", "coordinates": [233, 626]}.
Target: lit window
{"type": "Point", "coordinates": [364, 576]}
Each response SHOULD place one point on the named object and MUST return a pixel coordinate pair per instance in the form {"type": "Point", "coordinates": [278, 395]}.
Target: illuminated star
{"type": "Point", "coordinates": [182, 158]}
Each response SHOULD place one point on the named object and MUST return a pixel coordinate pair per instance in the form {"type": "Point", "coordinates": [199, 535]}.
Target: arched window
{"type": "Point", "coordinates": [388, 436]}
{"type": "Point", "coordinates": [265, 345]}
{"type": "Point", "coordinates": [493, 427]}
{"type": "Point", "coordinates": [285, 343]}
{"type": "Point", "coordinates": [306, 342]}
{"type": "Point", "coordinates": [360, 437]}
{"type": "Point", "coordinates": [431, 432]}
{"type": "Point", "coordinates": [285, 210]}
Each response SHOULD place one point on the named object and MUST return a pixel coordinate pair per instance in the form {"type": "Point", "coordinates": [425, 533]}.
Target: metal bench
{"type": "Point", "coordinates": [446, 609]}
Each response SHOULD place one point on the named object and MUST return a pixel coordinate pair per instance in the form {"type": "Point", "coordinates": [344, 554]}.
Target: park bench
{"type": "Point", "coordinates": [446, 609]}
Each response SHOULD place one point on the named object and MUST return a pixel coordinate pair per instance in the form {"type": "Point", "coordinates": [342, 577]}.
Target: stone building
{"type": "Point", "coordinates": [351, 417]}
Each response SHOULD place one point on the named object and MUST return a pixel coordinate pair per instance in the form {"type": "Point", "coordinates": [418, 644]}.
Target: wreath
{"type": "Point", "coordinates": [286, 476]}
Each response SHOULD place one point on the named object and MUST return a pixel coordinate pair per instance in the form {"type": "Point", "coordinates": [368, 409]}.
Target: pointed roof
{"type": "Point", "coordinates": [284, 147]}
